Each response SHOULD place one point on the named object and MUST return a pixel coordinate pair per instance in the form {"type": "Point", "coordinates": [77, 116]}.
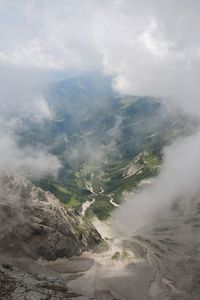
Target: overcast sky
{"type": "Point", "coordinates": [150, 46]}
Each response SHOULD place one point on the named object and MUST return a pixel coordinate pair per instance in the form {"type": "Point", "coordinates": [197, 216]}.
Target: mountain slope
{"type": "Point", "coordinates": [16, 284]}
{"type": "Point", "coordinates": [34, 224]}
{"type": "Point", "coordinates": [97, 135]}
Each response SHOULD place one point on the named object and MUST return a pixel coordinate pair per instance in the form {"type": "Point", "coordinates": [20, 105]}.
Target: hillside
{"type": "Point", "coordinates": [101, 141]}
{"type": "Point", "coordinates": [34, 224]}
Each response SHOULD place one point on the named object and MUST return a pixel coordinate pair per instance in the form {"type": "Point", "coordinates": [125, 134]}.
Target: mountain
{"type": "Point", "coordinates": [17, 284]}
{"type": "Point", "coordinates": [35, 224]}
{"type": "Point", "coordinates": [36, 227]}
{"type": "Point", "coordinates": [97, 135]}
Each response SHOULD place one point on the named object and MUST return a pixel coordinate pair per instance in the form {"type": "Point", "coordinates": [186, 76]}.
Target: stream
{"type": "Point", "coordinates": [87, 204]}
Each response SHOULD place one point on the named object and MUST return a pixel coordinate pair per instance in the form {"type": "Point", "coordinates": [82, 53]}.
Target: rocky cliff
{"type": "Point", "coordinates": [34, 224]}
{"type": "Point", "coordinates": [18, 285]}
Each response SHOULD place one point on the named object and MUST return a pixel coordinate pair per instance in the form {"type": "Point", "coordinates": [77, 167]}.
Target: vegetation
{"type": "Point", "coordinates": [97, 143]}
{"type": "Point", "coordinates": [72, 203]}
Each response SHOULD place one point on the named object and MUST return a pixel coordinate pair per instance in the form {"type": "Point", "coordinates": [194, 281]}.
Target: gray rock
{"type": "Point", "coordinates": [34, 224]}
{"type": "Point", "coordinates": [17, 285]}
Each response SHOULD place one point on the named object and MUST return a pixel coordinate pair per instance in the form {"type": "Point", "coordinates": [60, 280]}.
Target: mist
{"type": "Point", "coordinates": [148, 48]}
{"type": "Point", "coordinates": [178, 181]}
{"type": "Point", "coordinates": [29, 161]}
{"type": "Point", "coordinates": [20, 99]}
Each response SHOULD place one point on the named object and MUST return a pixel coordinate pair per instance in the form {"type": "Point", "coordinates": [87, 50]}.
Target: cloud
{"type": "Point", "coordinates": [151, 52]}
{"type": "Point", "coordinates": [178, 181]}
{"type": "Point", "coordinates": [28, 161]}
{"type": "Point", "coordinates": [40, 109]}
{"type": "Point", "coordinates": [48, 35]}
{"type": "Point", "coordinates": [150, 47]}
{"type": "Point", "coordinates": [20, 99]}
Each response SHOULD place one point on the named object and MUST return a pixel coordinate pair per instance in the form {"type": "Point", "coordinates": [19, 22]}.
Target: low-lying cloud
{"type": "Point", "coordinates": [177, 181]}
{"type": "Point", "coordinates": [28, 161]}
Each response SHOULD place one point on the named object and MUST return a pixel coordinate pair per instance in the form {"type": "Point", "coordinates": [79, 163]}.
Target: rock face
{"type": "Point", "coordinates": [18, 285]}
{"type": "Point", "coordinates": [136, 165]}
{"type": "Point", "coordinates": [34, 224]}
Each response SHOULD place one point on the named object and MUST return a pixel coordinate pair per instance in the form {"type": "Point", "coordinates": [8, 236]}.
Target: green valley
{"type": "Point", "coordinates": [106, 148]}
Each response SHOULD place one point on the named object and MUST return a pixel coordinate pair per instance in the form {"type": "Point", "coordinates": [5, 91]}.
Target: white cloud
{"type": "Point", "coordinates": [178, 180]}
{"type": "Point", "coordinates": [41, 110]}
{"type": "Point", "coordinates": [48, 35]}
{"type": "Point", "coordinates": [29, 161]}
{"type": "Point", "coordinates": [150, 47]}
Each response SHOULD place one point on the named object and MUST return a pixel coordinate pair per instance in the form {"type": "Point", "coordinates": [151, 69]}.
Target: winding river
{"type": "Point", "coordinates": [87, 204]}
